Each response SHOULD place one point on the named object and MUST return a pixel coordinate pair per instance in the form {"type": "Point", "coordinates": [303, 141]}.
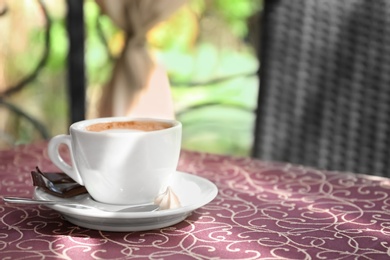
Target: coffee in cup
{"type": "Point", "coordinates": [120, 160]}
{"type": "Point", "coordinates": [128, 126]}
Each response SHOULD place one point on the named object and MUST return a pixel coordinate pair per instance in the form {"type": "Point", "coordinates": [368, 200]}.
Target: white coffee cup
{"type": "Point", "coordinates": [116, 161]}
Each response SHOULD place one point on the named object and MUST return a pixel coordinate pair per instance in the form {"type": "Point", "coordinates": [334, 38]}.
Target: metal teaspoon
{"type": "Point", "coordinates": [105, 207]}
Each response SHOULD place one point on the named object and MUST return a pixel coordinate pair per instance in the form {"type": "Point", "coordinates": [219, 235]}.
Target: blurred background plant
{"type": "Point", "coordinates": [205, 47]}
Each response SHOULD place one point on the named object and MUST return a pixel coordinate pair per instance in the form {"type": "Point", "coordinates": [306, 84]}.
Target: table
{"type": "Point", "coordinates": [264, 210]}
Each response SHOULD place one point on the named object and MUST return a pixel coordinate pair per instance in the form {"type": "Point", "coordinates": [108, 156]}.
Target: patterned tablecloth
{"type": "Point", "coordinates": [263, 210]}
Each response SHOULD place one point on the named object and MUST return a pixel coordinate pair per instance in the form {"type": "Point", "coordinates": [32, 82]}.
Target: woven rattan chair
{"type": "Point", "coordinates": [324, 98]}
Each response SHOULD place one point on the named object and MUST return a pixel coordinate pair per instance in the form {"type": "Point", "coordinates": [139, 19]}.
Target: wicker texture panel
{"type": "Point", "coordinates": [324, 97]}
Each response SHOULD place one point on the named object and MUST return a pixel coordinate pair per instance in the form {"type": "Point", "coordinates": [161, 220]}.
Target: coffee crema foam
{"type": "Point", "coordinates": [122, 126]}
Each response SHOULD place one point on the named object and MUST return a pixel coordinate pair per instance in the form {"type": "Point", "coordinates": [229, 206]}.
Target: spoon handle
{"type": "Point", "coordinates": [31, 201]}
{"type": "Point", "coordinates": [109, 208]}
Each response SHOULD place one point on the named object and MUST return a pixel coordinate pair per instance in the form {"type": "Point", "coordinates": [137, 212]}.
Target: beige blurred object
{"type": "Point", "coordinates": [136, 79]}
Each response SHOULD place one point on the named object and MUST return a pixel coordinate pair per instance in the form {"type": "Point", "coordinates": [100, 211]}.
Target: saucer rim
{"type": "Point", "coordinates": [126, 227]}
{"type": "Point", "coordinates": [211, 190]}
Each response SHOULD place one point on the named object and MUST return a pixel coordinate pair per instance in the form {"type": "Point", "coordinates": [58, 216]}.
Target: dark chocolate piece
{"type": "Point", "coordinates": [57, 183]}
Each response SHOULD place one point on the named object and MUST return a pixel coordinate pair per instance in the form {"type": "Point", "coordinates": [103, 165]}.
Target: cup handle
{"type": "Point", "coordinates": [55, 157]}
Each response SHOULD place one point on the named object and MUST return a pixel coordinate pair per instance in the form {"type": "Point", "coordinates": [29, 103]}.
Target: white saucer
{"type": "Point", "coordinates": [193, 192]}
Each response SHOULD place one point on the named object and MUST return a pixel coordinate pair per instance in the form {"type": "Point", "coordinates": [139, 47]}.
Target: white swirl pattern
{"type": "Point", "coordinates": [263, 211]}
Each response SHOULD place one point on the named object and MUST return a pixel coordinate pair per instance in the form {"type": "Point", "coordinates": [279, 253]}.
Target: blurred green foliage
{"type": "Point", "coordinates": [210, 63]}
{"type": "Point", "coordinates": [236, 13]}
{"type": "Point", "coordinates": [213, 79]}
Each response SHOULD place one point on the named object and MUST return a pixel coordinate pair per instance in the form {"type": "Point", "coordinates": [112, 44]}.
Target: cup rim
{"type": "Point", "coordinates": [81, 125]}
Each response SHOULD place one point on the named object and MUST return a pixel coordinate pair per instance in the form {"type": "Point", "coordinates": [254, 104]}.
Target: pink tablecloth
{"type": "Point", "coordinates": [263, 210]}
